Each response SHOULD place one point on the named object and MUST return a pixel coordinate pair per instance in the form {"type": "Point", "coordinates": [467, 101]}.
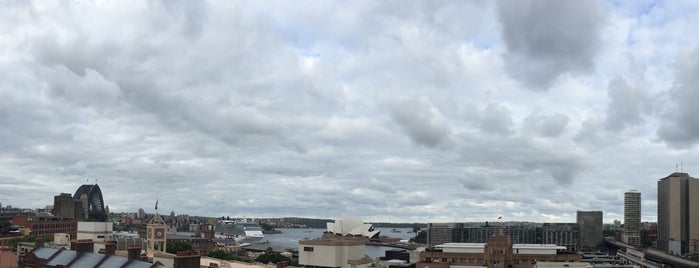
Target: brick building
{"type": "Point", "coordinates": [46, 225]}
{"type": "Point", "coordinates": [498, 252]}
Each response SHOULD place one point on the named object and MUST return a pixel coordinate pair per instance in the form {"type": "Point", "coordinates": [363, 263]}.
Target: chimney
{"type": "Point", "coordinates": [39, 242]}
{"type": "Point", "coordinates": [134, 252]}
{"type": "Point", "coordinates": [187, 259]}
{"type": "Point", "coordinates": [209, 234]}
{"type": "Point", "coordinates": [109, 248]}
{"type": "Point", "coordinates": [82, 245]}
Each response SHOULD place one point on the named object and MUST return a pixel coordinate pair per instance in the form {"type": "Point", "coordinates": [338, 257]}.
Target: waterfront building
{"type": "Point", "coordinates": [440, 233]}
{"type": "Point", "coordinates": [678, 214]}
{"type": "Point", "coordinates": [343, 245]}
{"type": "Point", "coordinates": [498, 252]}
{"type": "Point", "coordinates": [590, 228]}
{"type": "Point", "coordinates": [520, 234]}
{"type": "Point", "coordinates": [632, 218]}
{"type": "Point", "coordinates": [561, 234]}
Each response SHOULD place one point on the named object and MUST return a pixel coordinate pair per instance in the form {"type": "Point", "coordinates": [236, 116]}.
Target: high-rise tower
{"type": "Point", "coordinates": [632, 218]}
{"type": "Point", "coordinates": [678, 213]}
{"type": "Point", "coordinates": [589, 229]}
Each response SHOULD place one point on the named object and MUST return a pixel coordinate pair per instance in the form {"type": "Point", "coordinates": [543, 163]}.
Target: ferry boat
{"type": "Point", "coordinates": [243, 231]}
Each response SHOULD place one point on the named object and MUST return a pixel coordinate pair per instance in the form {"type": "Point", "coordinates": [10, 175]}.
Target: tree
{"type": "Point", "coordinates": [416, 228]}
{"type": "Point", "coordinates": [220, 254]}
{"type": "Point", "coordinates": [12, 243]}
{"type": "Point", "coordinates": [266, 227]}
{"type": "Point", "coordinates": [273, 257]}
{"type": "Point", "coordinates": [179, 245]}
{"type": "Point", "coordinates": [420, 237]}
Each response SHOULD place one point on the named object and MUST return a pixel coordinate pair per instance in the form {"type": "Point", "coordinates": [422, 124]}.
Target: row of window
{"type": "Point", "coordinates": [473, 260]}
{"type": "Point", "coordinates": [53, 225]}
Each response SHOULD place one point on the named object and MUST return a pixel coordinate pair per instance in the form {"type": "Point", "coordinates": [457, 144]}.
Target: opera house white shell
{"type": "Point", "coordinates": [351, 226]}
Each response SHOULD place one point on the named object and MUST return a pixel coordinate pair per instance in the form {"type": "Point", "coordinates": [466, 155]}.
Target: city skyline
{"type": "Point", "coordinates": [403, 111]}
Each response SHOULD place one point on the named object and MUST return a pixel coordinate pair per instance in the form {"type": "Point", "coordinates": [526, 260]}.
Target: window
{"type": "Point", "coordinates": [308, 249]}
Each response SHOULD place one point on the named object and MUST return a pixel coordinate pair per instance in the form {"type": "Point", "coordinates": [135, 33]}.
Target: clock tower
{"type": "Point", "coordinates": [156, 235]}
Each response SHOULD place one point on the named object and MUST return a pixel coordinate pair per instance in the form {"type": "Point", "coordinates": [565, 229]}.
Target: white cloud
{"type": "Point", "coordinates": [409, 111]}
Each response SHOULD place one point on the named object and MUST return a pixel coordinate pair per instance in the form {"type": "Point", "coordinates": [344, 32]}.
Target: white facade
{"type": "Point", "coordinates": [539, 249]}
{"type": "Point", "coordinates": [61, 239]}
{"type": "Point", "coordinates": [333, 253]}
{"type": "Point", "coordinates": [462, 247]}
{"type": "Point", "coordinates": [97, 231]}
{"type": "Point", "coordinates": [351, 226]}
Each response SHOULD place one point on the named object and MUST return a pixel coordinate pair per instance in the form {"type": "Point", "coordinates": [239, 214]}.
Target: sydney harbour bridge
{"type": "Point", "coordinates": [91, 197]}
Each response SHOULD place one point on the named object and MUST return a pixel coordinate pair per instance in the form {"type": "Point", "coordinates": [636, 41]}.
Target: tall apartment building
{"type": "Point", "coordinates": [632, 218]}
{"type": "Point", "coordinates": [678, 213]}
{"type": "Point", "coordinates": [440, 233]}
{"type": "Point", "coordinates": [562, 234]}
{"type": "Point", "coordinates": [519, 234]}
{"type": "Point", "coordinates": [589, 229]}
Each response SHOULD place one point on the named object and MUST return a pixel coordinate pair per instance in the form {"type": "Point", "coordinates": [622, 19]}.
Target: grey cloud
{"type": "Point", "coordinates": [495, 119]}
{"type": "Point", "coordinates": [523, 155]}
{"type": "Point", "coordinates": [546, 125]}
{"type": "Point", "coordinates": [593, 133]}
{"type": "Point", "coordinates": [547, 38]}
{"type": "Point", "coordinates": [190, 14]}
{"type": "Point", "coordinates": [91, 89]}
{"type": "Point", "coordinates": [680, 124]}
{"type": "Point", "coordinates": [212, 101]}
{"type": "Point", "coordinates": [627, 106]}
{"type": "Point", "coordinates": [421, 121]}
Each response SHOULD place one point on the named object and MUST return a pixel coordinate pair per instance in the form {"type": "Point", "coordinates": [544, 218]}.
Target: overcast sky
{"type": "Point", "coordinates": [402, 111]}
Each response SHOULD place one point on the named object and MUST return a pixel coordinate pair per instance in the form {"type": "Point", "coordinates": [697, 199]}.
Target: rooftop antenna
{"type": "Point", "coordinates": [676, 168]}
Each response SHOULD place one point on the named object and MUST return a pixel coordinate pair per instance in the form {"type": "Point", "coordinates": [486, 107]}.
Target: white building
{"type": "Point", "coordinates": [99, 232]}
{"type": "Point", "coordinates": [333, 253]}
{"type": "Point", "coordinates": [344, 247]}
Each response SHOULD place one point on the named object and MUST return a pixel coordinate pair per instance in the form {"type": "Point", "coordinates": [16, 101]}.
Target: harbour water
{"type": "Point", "coordinates": [289, 238]}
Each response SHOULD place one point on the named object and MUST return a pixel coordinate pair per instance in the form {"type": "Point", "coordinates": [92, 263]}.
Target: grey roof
{"type": "Point", "coordinates": [88, 260]}
{"type": "Point", "coordinates": [45, 253]}
{"type": "Point", "coordinates": [70, 258]}
{"type": "Point", "coordinates": [114, 261]}
{"type": "Point", "coordinates": [62, 258]}
{"type": "Point", "coordinates": [141, 264]}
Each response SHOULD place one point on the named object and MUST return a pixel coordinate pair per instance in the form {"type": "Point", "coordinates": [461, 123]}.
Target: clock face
{"type": "Point", "coordinates": [159, 233]}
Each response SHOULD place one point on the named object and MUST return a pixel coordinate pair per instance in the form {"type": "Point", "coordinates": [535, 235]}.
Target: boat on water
{"type": "Point", "coordinates": [394, 230]}
{"type": "Point", "coordinates": [243, 231]}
